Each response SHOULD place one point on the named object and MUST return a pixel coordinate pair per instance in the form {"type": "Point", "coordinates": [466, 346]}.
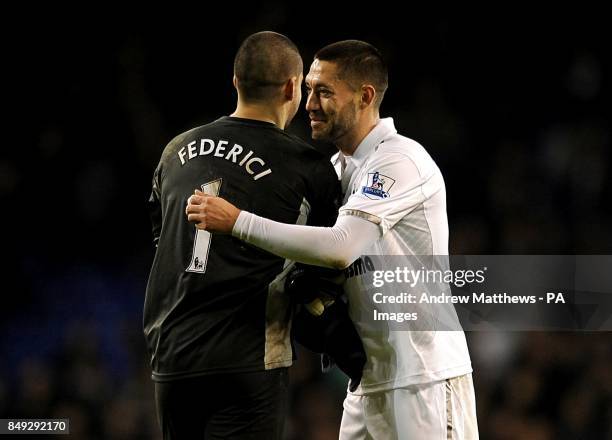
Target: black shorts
{"type": "Point", "coordinates": [224, 406]}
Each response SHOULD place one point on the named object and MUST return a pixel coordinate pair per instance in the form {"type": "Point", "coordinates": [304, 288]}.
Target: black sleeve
{"type": "Point", "coordinates": [154, 205]}
{"type": "Point", "coordinates": [324, 194]}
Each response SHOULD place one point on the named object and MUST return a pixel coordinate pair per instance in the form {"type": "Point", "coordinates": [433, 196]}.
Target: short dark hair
{"type": "Point", "coordinates": [358, 62]}
{"type": "Point", "coordinates": [265, 60]}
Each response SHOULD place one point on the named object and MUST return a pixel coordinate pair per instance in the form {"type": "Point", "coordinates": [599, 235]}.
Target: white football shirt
{"type": "Point", "coordinates": [395, 184]}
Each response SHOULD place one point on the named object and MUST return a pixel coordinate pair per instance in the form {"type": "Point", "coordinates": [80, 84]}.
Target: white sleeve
{"type": "Point", "coordinates": [336, 247]}
{"type": "Point", "coordinates": [391, 186]}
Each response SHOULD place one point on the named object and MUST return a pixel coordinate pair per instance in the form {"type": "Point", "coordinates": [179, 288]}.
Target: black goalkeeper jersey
{"type": "Point", "coordinates": [212, 302]}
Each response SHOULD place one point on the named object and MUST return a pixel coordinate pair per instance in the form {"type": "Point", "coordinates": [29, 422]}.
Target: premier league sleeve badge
{"type": "Point", "coordinates": [378, 186]}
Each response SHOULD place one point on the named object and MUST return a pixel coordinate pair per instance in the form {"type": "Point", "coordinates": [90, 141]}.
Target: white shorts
{"type": "Point", "coordinates": [442, 410]}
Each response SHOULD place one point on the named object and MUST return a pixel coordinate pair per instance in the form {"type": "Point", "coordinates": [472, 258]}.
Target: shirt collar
{"type": "Point", "coordinates": [383, 129]}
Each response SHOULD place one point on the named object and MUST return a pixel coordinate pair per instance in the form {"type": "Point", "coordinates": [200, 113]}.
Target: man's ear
{"type": "Point", "coordinates": [368, 94]}
{"type": "Point", "coordinates": [235, 82]}
{"type": "Point", "coordinates": [289, 88]}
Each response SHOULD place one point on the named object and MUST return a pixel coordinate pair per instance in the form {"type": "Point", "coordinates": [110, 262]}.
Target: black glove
{"type": "Point", "coordinates": [322, 324]}
{"type": "Point", "coordinates": [306, 284]}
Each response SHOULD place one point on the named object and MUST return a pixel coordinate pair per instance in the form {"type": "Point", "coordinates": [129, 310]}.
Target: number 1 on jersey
{"type": "Point", "coordinates": [201, 242]}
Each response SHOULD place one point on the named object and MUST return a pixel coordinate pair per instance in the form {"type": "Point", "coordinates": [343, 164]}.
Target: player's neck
{"type": "Point", "coordinates": [258, 113]}
{"type": "Point", "coordinates": [349, 142]}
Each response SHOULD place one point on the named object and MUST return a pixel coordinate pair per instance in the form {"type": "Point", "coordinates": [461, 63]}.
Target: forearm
{"type": "Point", "coordinates": [336, 247]}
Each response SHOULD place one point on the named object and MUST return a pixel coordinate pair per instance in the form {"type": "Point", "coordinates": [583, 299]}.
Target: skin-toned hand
{"type": "Point", "coordinates": [210, 213]}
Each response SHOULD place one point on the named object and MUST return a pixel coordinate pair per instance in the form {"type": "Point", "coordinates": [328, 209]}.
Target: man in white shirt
{"type": "Point", "coordinates": [416, 384]}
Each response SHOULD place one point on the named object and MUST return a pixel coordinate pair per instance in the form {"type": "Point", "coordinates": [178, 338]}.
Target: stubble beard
{"type": "Point", "coordinates": [345, 120]}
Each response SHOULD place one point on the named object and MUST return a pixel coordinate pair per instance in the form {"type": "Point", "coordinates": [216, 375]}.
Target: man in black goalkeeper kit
{"type": "Point", "coordinates": [216, 317]}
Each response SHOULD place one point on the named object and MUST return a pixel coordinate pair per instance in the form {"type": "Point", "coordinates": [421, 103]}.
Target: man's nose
{"type": "Point", "coordinates": [312, 102]}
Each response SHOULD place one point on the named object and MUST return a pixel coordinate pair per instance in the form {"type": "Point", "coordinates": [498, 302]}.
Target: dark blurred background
{"type": "Point", "coordinates": [514, 107]}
